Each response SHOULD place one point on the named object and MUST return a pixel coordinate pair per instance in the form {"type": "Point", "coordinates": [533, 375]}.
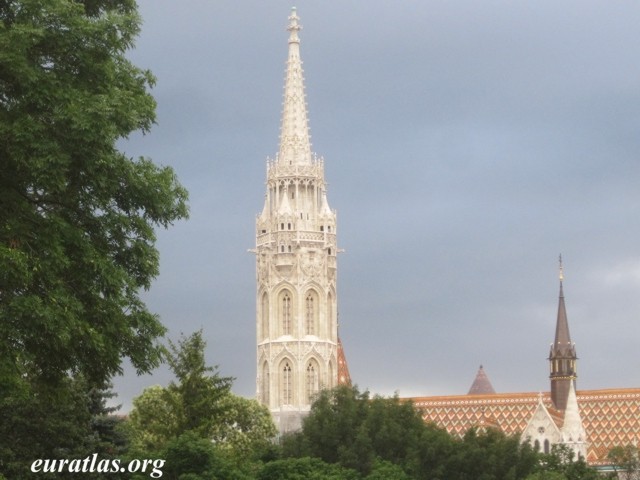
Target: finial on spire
{"type": "Point", "coordinates": [561, 275]}
{"type": "Point", "coordinates": [294, 27]}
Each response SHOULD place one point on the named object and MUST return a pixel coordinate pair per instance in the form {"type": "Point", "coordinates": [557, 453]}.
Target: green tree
{"type": "Point", "coordinates": [542, 475]}
{"type": "Point", "coordinates": [562, 460]}
{"type": "Point", "coordinates": [383, 470]}
{"type": "Point", "coordinates": [350, 428]}
{"type": "Point", "coordinates": [199, 390]}
{"type": "Point", "coordinates": [246, 429]}
{"type": "Point", "coordinates": [69, 420]}
{"type": "Point", "coordinates": [625, 461]}
{"type": "Point", "coordinates": [152, 421]}
{"type": "Point", "coordinates": [77, 240]}
{"type": "Point", "coordinates": [199, 402]}
{"type": "Point", "coordinates": [305, 469]}
{"type": "Point", "coordinates": [191, 455]}
{"type": "Point", "coordinates": [330, 430]}
{"type": "Point", "coordinates": [41, 421]}
{"type": "Point", "coordinates": [433, 448]}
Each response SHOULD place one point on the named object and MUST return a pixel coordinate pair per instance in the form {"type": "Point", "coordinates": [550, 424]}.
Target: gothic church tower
{"type": "Point", "coordinates": [296, 305]}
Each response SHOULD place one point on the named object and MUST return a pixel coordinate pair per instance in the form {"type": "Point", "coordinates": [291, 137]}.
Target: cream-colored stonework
{"type": "Point", "coordinates": [296, 302]}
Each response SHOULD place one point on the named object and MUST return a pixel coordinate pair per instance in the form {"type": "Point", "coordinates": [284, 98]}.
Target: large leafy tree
{"type": "Point", "coordinates": [69, 420]}
{"type": "Point", "coordinates": [349, 428]}
{"type": "Point", "coordinates": [77, 216]}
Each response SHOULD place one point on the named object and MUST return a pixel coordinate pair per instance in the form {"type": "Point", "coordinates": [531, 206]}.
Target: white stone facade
{"type": "Point", "coordinates": [296, 301]}
{"type": "Point", "coordinates": [542, 431]}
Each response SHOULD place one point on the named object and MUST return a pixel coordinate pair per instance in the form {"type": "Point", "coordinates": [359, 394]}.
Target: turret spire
{"type": "Point", "coordinates": [295, 144]}
{"type": "Point", "coordinates": [481, 384]}
{"type": "Point", "coordinates": [562, 356]}
{"type": "Point", "coordinates": [562, 338]}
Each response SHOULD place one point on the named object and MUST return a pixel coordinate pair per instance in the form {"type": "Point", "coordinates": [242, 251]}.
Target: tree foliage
{"type": "Point", "coordinates": [68, 420]}
{"type": "Point", "coordinates": [625, 461]}
{"type": "Point", "coordinates": [198, 390]}
{"type": "Point", "coordinates": [562, 460]}
{"type": "Point", "coordinates": [387, 438]}
{"type": "Point", "coordinates": [77, 240]}
{"type": "Point", "coordinates": [305, 469]}
{"type": "Point", "coordinates": [246, 429]}
{"type": "Point", "coordinates": [199, 403]}
{"type": "Point", "coordinates": [152, 421]}
{"type": "Point", "coordinates": [349, 428]}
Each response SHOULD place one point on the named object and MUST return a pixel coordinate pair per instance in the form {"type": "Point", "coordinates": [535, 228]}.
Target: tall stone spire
{"type": "Point", "coordinates": [295, 144]}
{"type": "Point", "coordinates": [298, 351]}
{"type": "Point", "coordinates": [562, 355]}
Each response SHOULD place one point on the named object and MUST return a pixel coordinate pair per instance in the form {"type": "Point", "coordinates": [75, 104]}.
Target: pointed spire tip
{"type": "Point", "coordinates": [561, 274]}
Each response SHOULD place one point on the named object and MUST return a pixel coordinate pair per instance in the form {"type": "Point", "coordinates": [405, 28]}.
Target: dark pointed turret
{"type": "Point", "coordinates": [562, 356]}
{"type": "Point", "coordinates": [481, 385]}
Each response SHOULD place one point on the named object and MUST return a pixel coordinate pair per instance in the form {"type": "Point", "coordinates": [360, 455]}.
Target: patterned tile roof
{"type": "Point", "coordinates": [610, 417]}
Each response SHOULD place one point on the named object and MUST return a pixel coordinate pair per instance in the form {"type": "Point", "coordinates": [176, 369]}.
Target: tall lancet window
{"type": "Point", "coordinates": [312, 381]}
{"type": "Point", "coordinates": [265, 315]}
{"type": "Point", "coordinates": [286, 385]}
{"type": "Point", "coordinates": [286, 314]}
{"type": "Point", "coordinates": [329, 383]}
{"type": "Point", "coordinates": [265, 383]}
{"type": "Point", "coordinates": [310, 315]}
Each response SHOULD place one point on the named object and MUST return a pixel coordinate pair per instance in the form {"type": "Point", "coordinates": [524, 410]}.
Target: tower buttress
{"type": "Point", "coordinates": [562, 355]}
{"type": "Point", "coordinates": [296, 297]}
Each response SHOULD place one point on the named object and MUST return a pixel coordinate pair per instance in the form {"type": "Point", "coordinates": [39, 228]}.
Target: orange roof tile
{"type": "Point", "coordinates": [344, 378]}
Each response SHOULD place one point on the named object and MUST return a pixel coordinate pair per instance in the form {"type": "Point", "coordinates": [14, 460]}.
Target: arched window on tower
{"type": "Point", "coordinates": [286, 385]}
{"type": "Point", "coordinates": [546, 446]}
{"type": "Point", "coordinates": [264, 306]}
{"type": "Point", "coordinates": [312, 381]}
{"type": "Point", "coordinates": [286, 314]}
{"type": "Point", "coordinates": [265, 383]}
{"type": "Point", "coordinates": [310, 314]}
{"type": "Point", "coordinates": [331, 317]}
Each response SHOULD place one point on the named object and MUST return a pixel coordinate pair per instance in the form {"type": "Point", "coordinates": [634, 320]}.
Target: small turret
{"type": "Point", "coordinates": [481, 384]}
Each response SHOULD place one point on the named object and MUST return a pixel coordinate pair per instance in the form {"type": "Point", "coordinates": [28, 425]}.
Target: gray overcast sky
{"type": "Point", "coordinates": [467, 143]}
